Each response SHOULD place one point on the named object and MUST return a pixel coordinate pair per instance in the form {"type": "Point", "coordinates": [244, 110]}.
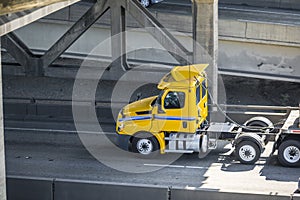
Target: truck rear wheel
{"type": "Point", "coordinates": [247, 152]}
{"type": "Point", "coordinates": [145, 145]}
{"type": "Point", "coordinates": [289, 153]}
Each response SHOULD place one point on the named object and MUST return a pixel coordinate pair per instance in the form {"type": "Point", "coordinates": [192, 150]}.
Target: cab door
{"type": "Point", "coordinates": [172, 114]}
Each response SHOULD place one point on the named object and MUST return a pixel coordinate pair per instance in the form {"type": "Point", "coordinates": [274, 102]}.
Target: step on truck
{"type": "Point", "coordinates": [176, 121]}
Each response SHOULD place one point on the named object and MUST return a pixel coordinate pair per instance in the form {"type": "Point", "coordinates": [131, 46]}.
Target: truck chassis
{"type": "Point", "coordinates": [248, 140]}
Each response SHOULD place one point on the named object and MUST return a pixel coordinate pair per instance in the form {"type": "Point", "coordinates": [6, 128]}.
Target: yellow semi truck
{"type": "Point", "coordinates": [176, 121]}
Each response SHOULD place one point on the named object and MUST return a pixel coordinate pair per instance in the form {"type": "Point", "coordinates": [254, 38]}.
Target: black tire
{"type": "Point", "coordinates": [145, 145]}
{"type": "Point", "coordinates": [289, 148]}
{"type": "Point", "coordinates": [247, 152]}
{"type": "Point", "coordinates": [204, 151]}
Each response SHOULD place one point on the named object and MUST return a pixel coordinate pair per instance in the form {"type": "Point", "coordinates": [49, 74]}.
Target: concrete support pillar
{"type": "Point", "coordinates": [2, 155]}
{"type": "Point", "coordinates": [118, 43]}
{"type": "Point", "coordinates": [205, 35]}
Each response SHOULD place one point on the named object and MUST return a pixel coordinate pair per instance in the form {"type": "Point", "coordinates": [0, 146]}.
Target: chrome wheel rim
{"type": "Point", "coordinates": [145, 3]}
{"type": "Point", "coordinates": [247, 153]}
{"type": "Point", "coordinates": [144, 146]}
{"type": "Point", "coordinates": [291, 154]}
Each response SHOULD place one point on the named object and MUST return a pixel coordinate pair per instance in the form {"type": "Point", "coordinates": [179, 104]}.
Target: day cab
{"type": "Point", "coordinates": [145, 126]}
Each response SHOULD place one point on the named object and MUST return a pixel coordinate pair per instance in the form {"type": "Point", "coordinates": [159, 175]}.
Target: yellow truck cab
{"type": "Point", "coordinates": [178, 112]}
{"type": "Point", "coordinates": [175, 121]}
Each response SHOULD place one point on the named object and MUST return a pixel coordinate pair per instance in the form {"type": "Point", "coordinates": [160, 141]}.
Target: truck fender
{"type": "Point", "coordinates": [262, 121]}
{"type": "Point", "coordinates": [250, 137]}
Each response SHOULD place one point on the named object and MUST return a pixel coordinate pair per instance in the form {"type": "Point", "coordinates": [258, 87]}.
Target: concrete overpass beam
{"type": "Point", "coordinates": [11, 6]}
{"type": "Point", "coordinates": [205, 34]}
{"type": "Point", "coordinates": [156, 29]}
{"type": "Point", "coordinates": [118, 39]}
{"type": "Point", "coordinates": [22, 54]}
{"type": "Point", "coordinates": [78, 29]}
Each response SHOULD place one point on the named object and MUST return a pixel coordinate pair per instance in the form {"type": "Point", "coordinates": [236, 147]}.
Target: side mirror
{"type": "Point", "coordinates": [138, 96]}
{"type": "Point", "coordinates": [160, 110]}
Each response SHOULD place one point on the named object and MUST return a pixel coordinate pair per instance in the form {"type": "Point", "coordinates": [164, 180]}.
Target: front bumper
{"type": "Point", "coordinates": [123, 141]}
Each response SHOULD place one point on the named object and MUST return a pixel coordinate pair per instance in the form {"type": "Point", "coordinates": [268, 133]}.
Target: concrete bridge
{"type": "Point", "coordinates": [254, 39]}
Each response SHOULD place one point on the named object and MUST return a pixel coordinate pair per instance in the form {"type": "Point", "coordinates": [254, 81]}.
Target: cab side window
{"type": "Point", "coordinates": [198, 95]}
{"type": "Point", "coordinates": [174, 100]}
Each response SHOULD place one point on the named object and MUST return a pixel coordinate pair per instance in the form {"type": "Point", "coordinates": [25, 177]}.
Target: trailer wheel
{"type": "Point", "coordinates": [247, 152]}
{"type": "Point", "coordinates": [289, 153]}
{"type": "Point", "coordinates": [145, 145]}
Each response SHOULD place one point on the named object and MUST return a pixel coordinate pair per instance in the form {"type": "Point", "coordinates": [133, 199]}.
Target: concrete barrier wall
{"type": "Point", "coordinates": [296, 196]}
{"type": "Point", "coordinates": [29, 188]}
{"type": "Point", "coordinates": [56, 112]}
{"type": "Point", "coordinates": [286, 4]}
{"type": "Point", "coordinates": [23, 188]}
{"type": "Point", "coordinates": [59, 189]}
{"type": "Point", "coordinates": [179, 194]}
{"type": "Point", "coordinates": [65, 190]}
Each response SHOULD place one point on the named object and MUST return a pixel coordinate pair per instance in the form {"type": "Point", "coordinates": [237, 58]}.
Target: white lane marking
{"type": "Point", "coordinates": [175, 166]}
{"type": "Point", "coordinates": [56, 130]}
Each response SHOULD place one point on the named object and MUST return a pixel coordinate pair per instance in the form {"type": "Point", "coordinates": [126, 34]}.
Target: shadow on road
{"type": "Point", "coordinates": [272, 170]}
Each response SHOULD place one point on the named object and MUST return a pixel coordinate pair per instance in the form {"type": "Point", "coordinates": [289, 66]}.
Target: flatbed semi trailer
{"type": "Point", "coordinates": [176, 121]}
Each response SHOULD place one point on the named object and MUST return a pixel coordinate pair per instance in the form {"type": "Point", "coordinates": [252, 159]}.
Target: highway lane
{"type": "Point", "coordinates": [235, 12]}
{"type": "Point", "coordinates": [231, 11]}
{"type": "Point", "coordinates": [61, 155]}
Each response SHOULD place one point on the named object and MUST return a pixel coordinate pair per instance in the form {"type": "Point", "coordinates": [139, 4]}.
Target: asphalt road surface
{"type": "Point", "coordinates": [39, 150]}
{"type": "Point", "coordinates": [237, 12]}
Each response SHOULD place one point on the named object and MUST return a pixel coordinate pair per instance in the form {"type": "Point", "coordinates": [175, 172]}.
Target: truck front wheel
{"type": "Point", "coordinates": [145, 145]}
{"type": "Point", "coordinates": [247, 152]}
{"type": "Point", "coordinates": [289, 153]}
